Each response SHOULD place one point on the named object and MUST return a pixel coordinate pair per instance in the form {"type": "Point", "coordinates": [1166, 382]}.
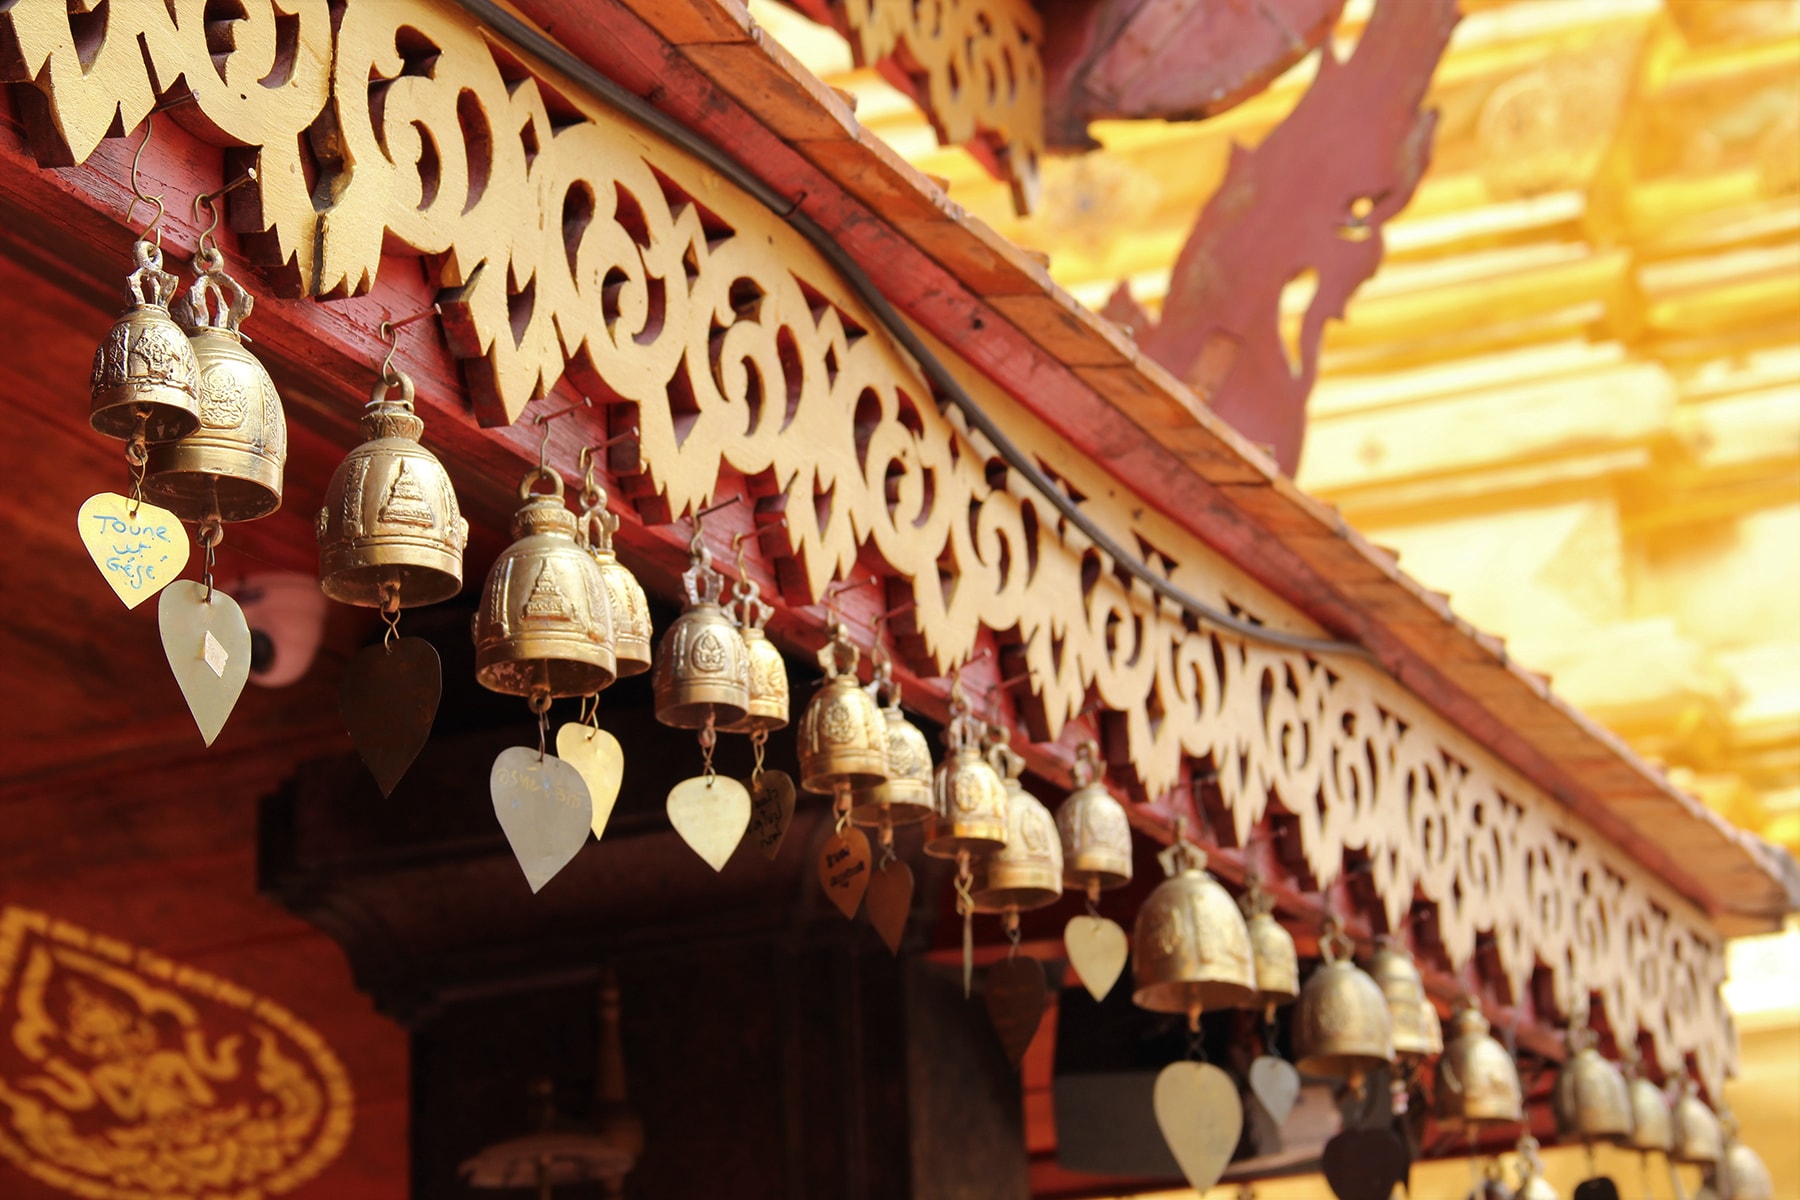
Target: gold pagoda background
{"type": "Point", "coordinates": [1570, 398]}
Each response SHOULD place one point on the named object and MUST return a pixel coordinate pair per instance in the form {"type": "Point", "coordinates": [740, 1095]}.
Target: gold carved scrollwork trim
{"type": "Point", "coordinates": [566, 237]}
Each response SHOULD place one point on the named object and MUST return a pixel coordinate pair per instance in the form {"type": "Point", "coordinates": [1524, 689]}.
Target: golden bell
{"type": "Point", "coordinates": [1742, 1172]}
{"type": "Point", "coordinates": [842, 744]}
{"type": "Point", "coordinates": [1394, 972]}
{"type": "Point", "coordinates": [905, 797]}
{"type": "Point", "coordinates": [1434, 1028]}
{"type": "Point", "coordinates": [1697, 1136]}
{"type": "Point", "coordinates": [968, 798]}
{"type": "Point", "coordinates": [1477, 1080]}
{"type": "Point", "coordinates": [390, 532]}
{"type": "Point", "coordinates": [624, 595]}
{"type": "Point", "coordinates": [231, 466]}
{"type": "Point", "coordinates": [145, 377]}
{"type": "Point", "coordinates": [1652, 1125]}
{"type": "Point", "coordinates": [1532, 1184]}
{"type": "Point", "coordinates": [1093, 829]}
{"type": "Point", "coordinates": [768, 704]}
{"type": "Point", "coordinates": [1271, 950]}
{"type": "Point", "coordinates": [1027, 872]}
{"type": "Point", "coordinates": [1591, 1099]}
{"type": "Point", "coordinates": [1190, 947]}
{"type": "Point", "coordinates": [702, 671]}
{"type": "Point", "coordinates": [544, 627]}
{"type": "Point", "coordinates": [1342, 1028]}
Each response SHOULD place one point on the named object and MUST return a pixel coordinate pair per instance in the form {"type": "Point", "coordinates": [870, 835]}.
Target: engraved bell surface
{"type": "Point", "coordinates": [968, 799]}
{"type": "Point", "coordinates": [905, 797]}
{"type": "Point", "coordinates": [702, 671]}
{"type": "Point", "coordinates": [1743, 1173]}
{"type": "Point", "coordinates": [390, 526]}
{"type": "Point", "coordinates": [232, 464]}
{"type": "Point", "coordinates": [1342, 1027]}
{"type": "Point", "coordinates": [1190, 946]}
{"type": "Point", "coordinates": [632, 631]}
{"type": "Point", "coordinates": [842, 739]}
{"type": "Point", "coordinates": [1697, 1136]}
{"type": "Point", "coordinates": [1093, 829]}
{"type": "Point", "coordinates": [1591, 1099]}
{"type": "Point", "coordinates": [1027, 872]}
{"type": "Point", "coordinates": [1272, 951]}
{"type": "Point", "coordinates": [1652, 1126]}
{"type": "Point", "coordinates": [1394, 971]}
{"type": "Point", "coordinates": [767, 709]}
{"type": "Point", "coordinates": [145, 374]}
{"type": "Point", "coordinates": [1477, 1080]}
{"type": "Point", "coordinates": [544, 627]}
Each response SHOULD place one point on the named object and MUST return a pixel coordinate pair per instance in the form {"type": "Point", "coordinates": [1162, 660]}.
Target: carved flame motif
{"type": "Point", "coordinates": [124, 1076]}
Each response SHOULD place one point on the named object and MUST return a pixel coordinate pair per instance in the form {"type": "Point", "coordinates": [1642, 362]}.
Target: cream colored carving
{"type": "Point", "coordinates": [976, 66]}
{"type": "Point", "coordinates": [743, 353]}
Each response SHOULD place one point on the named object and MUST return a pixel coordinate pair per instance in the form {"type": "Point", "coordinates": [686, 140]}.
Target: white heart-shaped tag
{"type": "Point", "coordinates": [138, 553]}
{"type": "Point", "coordinates": [710, 812]}
{"type": "Point", "coordinates": [544, 809]}
{"type": "Point", "coordinates": [207, 642]}
{"type": "Point", "coordinates": [1097, 949]}
{"type": "Point", "coordinates": [1276, 1085]}
{"type": "Point", "coordinates": [1201, 1117]}
{"type": "Point", "coordinates": [600, 759]}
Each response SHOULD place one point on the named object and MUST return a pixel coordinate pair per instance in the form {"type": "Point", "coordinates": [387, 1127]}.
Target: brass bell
{"type": "Point", "coordinates": [968, 799]}
{"type": "Point", "coordinates": [905, 797]}
{"type": "Point", "coordinates": [767, 709]}
{"type": "Point", "coordinates": [1532, 1184]}
{"type": "Point", "coordinates": [146, 382]}
{"type": "Point", "coordinates": [1272, 951]}
{"type": "Point", "coordinates": [1651, 1122]}
{"type": "Point", "coordinates": [842, 742]}
{"type": "Point", "coordinates": [624, 595]}
{"type": "Point", "coordinates": [1093, 829]}
{"type": "Point", "coordinates": [1342, 1028]}
{"type": "Point", "coordinates": [1477, 1080]}
{"type": "Point", "coordinates": [390, 533]}
{"type": "Point", "coordinates": [1190, 947]}
{"type": "Point", "coordinates": [1742, 1173]}
{"type": "Point", "coordinates": [1591, 1099]}
{"type": "Point", "coordinates": [1393, 970]}
{"type": "Point", "coordinates": [1434, 1028]}
{"type": "Point", "coordinates": [231, 466]}
{"type": "Point", "coordinates": [544, 628]}
{"type": "Point", "coordinates": [1027, 872]}
{"type": "Point", "coordinates": [1697, 1136]}
{"type": "Point", "coordinates": [702, 674]}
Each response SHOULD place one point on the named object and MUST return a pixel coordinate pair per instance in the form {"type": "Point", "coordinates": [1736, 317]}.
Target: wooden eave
{"type": "Point", "coordinates": [706, 63]}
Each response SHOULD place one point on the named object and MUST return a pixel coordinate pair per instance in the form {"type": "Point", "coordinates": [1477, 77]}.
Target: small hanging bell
{"type": "Point", "coordinates": [232, 465]}
{"type": "Point", "coordinates": [544, 628]}
{"type": "Point", "coordinates": [624, 595]}
{"type": "Point", "coordinates": [767, 709]}
{"type": "Point", "coordinates": [702, 671]}
{"type": "Point", "coordinates": [1272, 951]}
{"type": "Point", "coordinates": [146, 382]}
{"type": "Point", "coordinates": [968, 798]}
{"type": "Point", "coordinates": [1342, 1028]}
{"type": "Point", "coordinates": [1742, 1173]}
{"type": "Point", "coordinates": [842, 742]}
{"type": "Point", "coordinates": [1027, 872]}
{"type": "Point", "coordinates": [1697, 1136]}
{"type": "Point", "coordinates": [390, 534]}
{"type": "Point", "coordinates": [1393, 970]}
{"type": "Point", "coordinates": [1652, 1125]}
{"type": "Point", "coordinates": [1191, 947]}
{"type": "Point", "coordinates": [1095, 834]}
{"type": "Point", "coordinates": [1591, 1099]}
{"type": "Point", "coordinates": [1477, 1080]}
{"type": "Point", "coordinates": [1532, 1184]}
{"type": "Point", "coordinates": [905, 797]}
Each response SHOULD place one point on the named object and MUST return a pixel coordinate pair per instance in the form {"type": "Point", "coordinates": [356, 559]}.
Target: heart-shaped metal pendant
{"type": "Point", "coordinates": [597, 755]}
{"type": "Point", "coordinates": [208, 646]}
{"type": "Point", "coordinates": [710, 812]}
{"type": "Point", "coordinates": [543, 806]}
{"type": "Point", "coordinates": [1364, 1164]}
{"type": "Point", "coordinates": [844, 868]}
{"type": "Point", "coordinates": [1016, 999]}
{"type": "Point", "coordinates": [1201, 1117]}
{"type": "Point", "coordinates": [1276, 1085]}
{"type": "Point", "coordinates": [1097, 950]}
{"type": "Point", "coordinates": [771, 811]}
{"type": "Point", "coordinates": [138, 553]}
{"type": "Point", "coordinates": [389, 697]}
{"type": "Point", "coordinates": [888, 902]}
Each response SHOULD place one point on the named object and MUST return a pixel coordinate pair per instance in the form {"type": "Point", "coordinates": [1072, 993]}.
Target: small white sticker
{"type": "Point", "coordinates": [215, 655]}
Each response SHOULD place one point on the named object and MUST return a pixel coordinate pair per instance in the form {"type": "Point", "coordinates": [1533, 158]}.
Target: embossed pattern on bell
{"type": "Point", "coordinates": [1591, 1099]}
{"type": "Point", "coordinates": [1096, 838]}
{"type": "Point", "coordinates": [1191, 948]}
{"type": "Point", "coordinates": [1393, 970]}
{"type": "Point", "coordinates": [1477, 1080]}
{"type": "Point", "coordinates": [1342, 1028]}
{"type": "Point", "coordinates": [544, 627]}
{"type": "Point", "coordinates": [1652, 1125]}
{"type": "Point", "coordinates": [968, 806]}
{"type": "Point", "coordinates": [233, 463]}
{"type": "Point", "coordinates": [632, 631]}
{"type": "Point", "coordinates": [905, 798]}
{"type": "Point", "coordinates": [702, 670]}
{"type": "Point", "coordinates": [1277, 961]}
{"type": "Point", "coordinates": [1027, 872]}
{"type": "Point", "coordinates": [768, 705]}
{"type": "Point", "coordinates": [842, 738]}
{"type": "Point", "coordinates": [390, 518]}
{"type": "Point", "coordinates": [1697, 1137]}
{"type": "Point", "coordinates": [145, 367]}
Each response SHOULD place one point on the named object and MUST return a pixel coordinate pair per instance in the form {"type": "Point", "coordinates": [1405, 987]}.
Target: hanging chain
{"type": "Point", "coordinates": [209, 535]}
{"type": "Point", "coordinates": [137, 454]}
{"type": "Point", "coordinates": [540, 704]}
{"type": "Point", "coordinates": [709, 737]}
{"type": "Point", "coordinates": [759, 741]}
{"type": "Point", "coordinates": [886, 837]}
{"type": "Point", "coordinates": [390, 613]}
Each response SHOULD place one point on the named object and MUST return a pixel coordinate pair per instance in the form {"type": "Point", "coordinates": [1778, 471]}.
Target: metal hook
{"type": "Point", "coordinates": [585, 459]}
{"type": "Point", "coordinates": [544, 421]}
{"type": "Point", "coordinates": [137, 187]}
{"type": "Point", "coordinates": [390, 333]}
{"type": "Point", "coordinates": [710, 509]}
{"type": "Point", "coordinates": [211, 201]}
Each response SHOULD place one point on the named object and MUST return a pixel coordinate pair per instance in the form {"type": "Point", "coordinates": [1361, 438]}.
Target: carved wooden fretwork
{"type": "Point", "coordinates": [974, 67]}
{"type": "Point", "coordinates": [569, 237]}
